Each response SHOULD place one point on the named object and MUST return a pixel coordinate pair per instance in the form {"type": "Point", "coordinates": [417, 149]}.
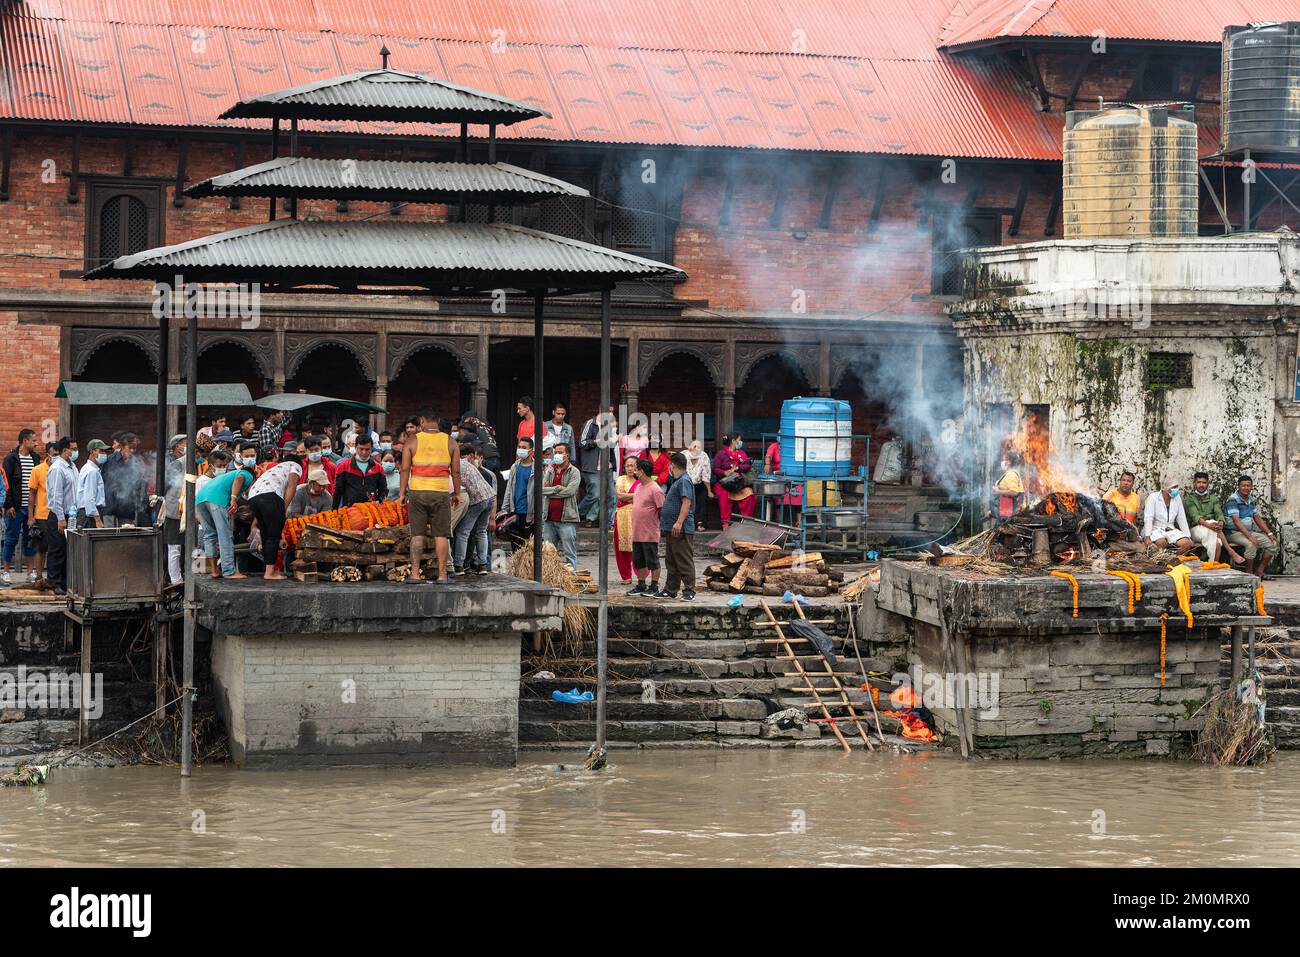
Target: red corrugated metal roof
{"type": "Point", "coordinates": [1186, 21]}
{"type": "Point", "coordinates": [783, 74]}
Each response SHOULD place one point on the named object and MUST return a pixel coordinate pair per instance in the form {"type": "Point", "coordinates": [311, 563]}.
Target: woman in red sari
{"type": "Point", "coordinates": [623, 489]}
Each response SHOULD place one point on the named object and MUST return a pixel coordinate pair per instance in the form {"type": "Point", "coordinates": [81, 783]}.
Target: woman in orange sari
{"type": "Point", "coordinates": [623, 489]}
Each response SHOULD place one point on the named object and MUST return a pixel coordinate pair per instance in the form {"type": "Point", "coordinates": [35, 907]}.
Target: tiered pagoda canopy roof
{"type": "Point", "coordinates": [386, 180]}
{"type": "Point", "coordinates": [357, 256]}
{"type": "Point", "coordinates": [385, 95]}
{"type": "Point", "coordinates": [368, 255]}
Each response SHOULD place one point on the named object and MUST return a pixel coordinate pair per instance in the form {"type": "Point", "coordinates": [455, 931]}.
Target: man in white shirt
{"type": "Point", "coordinates": [1164, 521]}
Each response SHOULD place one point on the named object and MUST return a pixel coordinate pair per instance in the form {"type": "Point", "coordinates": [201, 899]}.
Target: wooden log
{"type": "Point", "coordinates": [741, 576]}
{"type": "Point", "coordinates": [788, 561]}
{"type": "Point", "coordinates": [750, 549]}
{"type": "Point", "coordinates": [716, 571]}
{"type": "Point", "coordinates": [756, 565]}
{"type": "Point", "coordinates": [792, 578]}
{"type": "Point", "coordinates": [721, 586]}
{"type": "Point", "coordinates": [808, 591]}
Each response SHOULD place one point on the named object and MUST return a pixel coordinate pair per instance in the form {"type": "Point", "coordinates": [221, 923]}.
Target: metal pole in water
{"type": "Point", "coordinates": [602, 575]}
{"type": "Point", "coordinates": [191, 427]}
{"type": "Point", "coordinates": [539, 504]}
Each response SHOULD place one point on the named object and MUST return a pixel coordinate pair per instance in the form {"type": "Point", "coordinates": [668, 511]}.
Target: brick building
{"type": "Point", "coordinates": [810, 166]}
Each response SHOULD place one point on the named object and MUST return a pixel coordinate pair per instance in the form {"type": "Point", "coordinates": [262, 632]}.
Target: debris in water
{"type": "Point", "coordinates": [25, 774]}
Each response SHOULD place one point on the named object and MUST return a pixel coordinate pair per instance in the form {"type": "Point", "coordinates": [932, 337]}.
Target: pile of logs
{"type": "Point", "coordinates": [341, 555]}
{"type": "Point", "coordinates": [756, 569]}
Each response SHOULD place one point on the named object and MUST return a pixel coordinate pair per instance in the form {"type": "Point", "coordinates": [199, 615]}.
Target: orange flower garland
{"type": "Point", "coordinates": [1074, 582]}
{"type": "Point", "coordinates": [1163, 619]}
{"type": "Point", "coordinates": [1259, 600]}
{"type": "Point", "coordinates": [363, 515]}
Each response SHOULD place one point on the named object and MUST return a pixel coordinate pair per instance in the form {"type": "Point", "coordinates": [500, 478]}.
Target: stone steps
{"type": "Point", "coordinates": [669, 686]}
{"type": "Point", "coordinates": [635, 731]}
{"type": "Point", "coordinates": [1279, 667]}
{"type": "Point", "coordinates": [635, 710]}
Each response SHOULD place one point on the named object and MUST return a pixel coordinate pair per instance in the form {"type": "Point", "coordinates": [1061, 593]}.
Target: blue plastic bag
{"type": "Point", "coordinates": [572, 696]}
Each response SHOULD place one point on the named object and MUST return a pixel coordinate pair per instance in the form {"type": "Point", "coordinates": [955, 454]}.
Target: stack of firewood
{"type": "Point", "coordinates": [757, 569]}
{"type": "Point", "coordinates": [333, 554]}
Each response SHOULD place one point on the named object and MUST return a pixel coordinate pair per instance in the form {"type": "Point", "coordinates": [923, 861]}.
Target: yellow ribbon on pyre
{"type": "Point", "coordinates": [1181, 575]}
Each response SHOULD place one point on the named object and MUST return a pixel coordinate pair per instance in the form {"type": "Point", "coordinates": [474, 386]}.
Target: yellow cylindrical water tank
{"type": "Point", "coordinates": [1129, 172]}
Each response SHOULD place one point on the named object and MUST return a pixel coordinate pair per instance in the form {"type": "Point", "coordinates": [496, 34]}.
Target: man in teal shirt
{"type": "Point", "coordinates": [215, 504]}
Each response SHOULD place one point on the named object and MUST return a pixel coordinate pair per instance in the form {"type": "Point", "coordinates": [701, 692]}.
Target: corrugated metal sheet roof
{"type": "Point", "coordinates": [1187, 21]}
{"type": "Point", "coordinates": [393, 95]}
{"type": "Point", "coordinates": [381, 180]}
{"type": "Point", "coordinates": [373, 253]}
{"type": "Point", "coordinates": [780, 74]}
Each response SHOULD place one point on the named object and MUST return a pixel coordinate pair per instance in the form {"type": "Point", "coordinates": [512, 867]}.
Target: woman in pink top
{"type": "Point", "coordinates": [647, 503]}
{"type": "Point", "coordinates": [633, 445]}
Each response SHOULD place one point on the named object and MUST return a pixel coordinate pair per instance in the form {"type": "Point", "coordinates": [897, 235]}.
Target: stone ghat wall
{"type": "Point", "coordinates": [32, 637]}
{"type": "Point", "coordinates": [1080, 695]}
{"type": "Point", "coordinates": [368, 699]}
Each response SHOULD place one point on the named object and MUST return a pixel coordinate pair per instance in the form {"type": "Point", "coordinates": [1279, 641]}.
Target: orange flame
{"type": "Point", "coordinates": [1034, 445]}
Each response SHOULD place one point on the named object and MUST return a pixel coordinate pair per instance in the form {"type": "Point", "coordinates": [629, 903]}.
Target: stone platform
{"type": "Point", "coordinates": [329, 674]}
{"type": "Point", "coordinates": [1060, 684]}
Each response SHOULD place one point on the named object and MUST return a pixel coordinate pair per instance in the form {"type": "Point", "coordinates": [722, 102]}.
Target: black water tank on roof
{"type": "Point", "coordinates": [1261, 88]}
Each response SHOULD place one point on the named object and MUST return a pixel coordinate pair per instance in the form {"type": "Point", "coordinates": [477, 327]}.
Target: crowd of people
{"type": "Point", "coordinates": [253, 478]}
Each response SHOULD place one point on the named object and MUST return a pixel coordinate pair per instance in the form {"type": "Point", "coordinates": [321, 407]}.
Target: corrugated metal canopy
{"type": "Point", "coordinates": [297, 401]}
{"type": "Point", "coordinates": [375, 255]}
{"type": "Point", "coordinates": [384, 181]}
{"type": "Point", "coordinates": [134, 393]}
{"type": "Point", "coordinates": [384, 95]}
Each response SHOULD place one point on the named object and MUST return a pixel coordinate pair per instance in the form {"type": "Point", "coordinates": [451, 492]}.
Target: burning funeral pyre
{"type": "Point", "coordinates": [1064, 525]}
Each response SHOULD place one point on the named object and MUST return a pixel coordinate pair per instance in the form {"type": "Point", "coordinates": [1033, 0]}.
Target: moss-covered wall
{"type": "Point", "coordinates": [1105, 419]}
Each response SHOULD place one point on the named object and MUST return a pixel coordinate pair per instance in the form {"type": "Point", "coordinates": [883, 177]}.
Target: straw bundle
{"type": "Point", "coordinates": [578, 623]}
{"type": "Point", "coordinates": [1233, 733]}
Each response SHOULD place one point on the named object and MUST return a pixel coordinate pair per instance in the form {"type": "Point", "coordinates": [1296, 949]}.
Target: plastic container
{"type": "Point", "coordinates": [816, 438]}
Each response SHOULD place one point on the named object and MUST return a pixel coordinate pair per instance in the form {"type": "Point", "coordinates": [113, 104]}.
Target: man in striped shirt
{"type": "Point", "coordinates": [18, 466]}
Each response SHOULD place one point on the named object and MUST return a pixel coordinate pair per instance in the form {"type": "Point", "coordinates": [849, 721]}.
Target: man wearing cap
{"type": "Point", "coordinates": [90, 486]}
{"type": "Point", "coordinates": [313, 497]}
{"type": "Point", "coordinates": [1164, 522]}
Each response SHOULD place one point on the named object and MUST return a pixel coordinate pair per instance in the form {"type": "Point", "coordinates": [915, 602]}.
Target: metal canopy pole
{"type": "Point", "coordinates": [603, 476]}
{"type": "Point", "coordinates": [191, 522]}
{"type": "Point", "coordinates": [539, 511]}
{"type": "Point", "coordinates": [275, 154]}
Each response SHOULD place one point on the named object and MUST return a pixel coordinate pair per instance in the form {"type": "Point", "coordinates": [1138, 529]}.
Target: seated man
{"type": "Point", "coordinates": [1125, 500]}
{"type": "Point", "coordinates": [1247, 529]}
{"type": "Point", "coordinates": [1205, 515]}
{"type": "Point", "coordinates": [1164, 523]}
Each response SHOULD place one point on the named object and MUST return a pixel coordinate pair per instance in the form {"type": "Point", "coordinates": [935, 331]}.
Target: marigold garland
{"type": "Point", "coordinates": [385, 514]}
{"type": "Point", "coordinates": [1134, 583]}
{"type": "Point", "coordinates": [1259, 600]}
{"type": "Point", "coordinates": [1074, 583]}
{"type": "Point", "coordinates": [1163, 619]}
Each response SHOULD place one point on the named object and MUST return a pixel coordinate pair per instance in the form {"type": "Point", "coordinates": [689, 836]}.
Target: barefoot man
{"type": "Point", "coordinates": [430, 488]}
{"type": "Point", "coordinates": [1205, 515]}
{"type": "Point", "coordinates": [1249, 531]}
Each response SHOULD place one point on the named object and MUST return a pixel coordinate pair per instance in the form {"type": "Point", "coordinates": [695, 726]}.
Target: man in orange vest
{"type": "Point", "coordinates": [430, 487]}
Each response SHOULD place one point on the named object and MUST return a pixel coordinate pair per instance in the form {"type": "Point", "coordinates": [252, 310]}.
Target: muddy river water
{"type": "Point", "coordinates": [665, 808]}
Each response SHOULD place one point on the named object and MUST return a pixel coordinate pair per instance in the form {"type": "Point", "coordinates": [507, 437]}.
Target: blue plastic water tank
{"type": "Point", "coordinates": [816, 437]}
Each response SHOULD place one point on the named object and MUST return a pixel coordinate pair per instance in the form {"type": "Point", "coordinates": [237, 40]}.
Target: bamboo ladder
{"type": "Point", "coordinates": [836, 687]}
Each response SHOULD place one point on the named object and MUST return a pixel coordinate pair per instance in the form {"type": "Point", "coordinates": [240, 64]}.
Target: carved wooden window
{"type": "Point", "coordinates": [122, 218]}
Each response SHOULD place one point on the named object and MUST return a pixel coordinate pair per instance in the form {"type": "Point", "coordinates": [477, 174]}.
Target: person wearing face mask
{"type": "Point", "coordinates": [698, 468]}
{"type": "Point", "coordinates": [174, 479]}
{"type": "Point", "coordinates": [90, 486]}
{"type": "Point", "coordinates": [311, 498]}
{"type": "Point", "coordinates": [729, 466]}
{"type": "Point", "coordinates": [359, 477]}
{"type": "Point", "coordinates": [1164, 522]}
{"type": "Point", "coordinates": [392, 478]}
{"type": "Point", "coordinates": [61, 500]}
{"type": "Point", "coordinates": [315, 446]}
{"type": "Point", "coordinates": [515, 501]}
{"type": "Point", "coordinates": [1205, 516]}
{"type": "Point", "coordinates": [560, 484]}
{"type": "Point", "coordinates": [480, 497]}
{"type": "Point", "coordinates": [215, 504]}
